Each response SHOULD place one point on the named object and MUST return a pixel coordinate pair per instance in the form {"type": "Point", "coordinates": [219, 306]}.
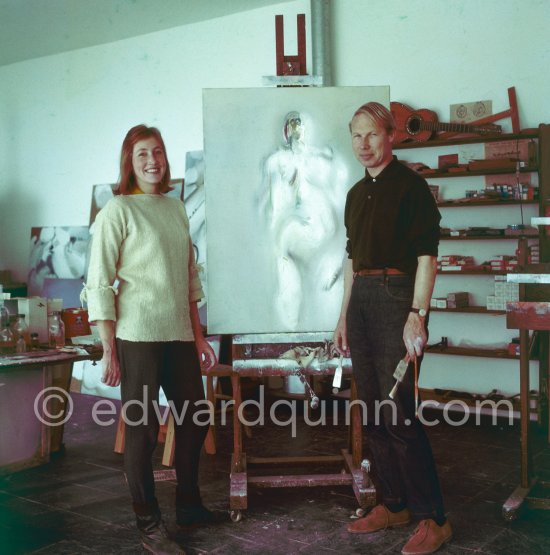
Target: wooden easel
{"type": "Point", "coordinates": [259, 355]}
{"type": "Point", "coordinates": [512, 113]}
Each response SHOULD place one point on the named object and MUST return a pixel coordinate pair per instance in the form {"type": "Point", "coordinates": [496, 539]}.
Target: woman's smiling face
{"type": "Point", "coordinates": [149, 163]}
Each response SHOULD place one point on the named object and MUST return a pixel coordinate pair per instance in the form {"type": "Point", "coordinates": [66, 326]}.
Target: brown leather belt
{"type": "Point", "coordinates": [381, 272]}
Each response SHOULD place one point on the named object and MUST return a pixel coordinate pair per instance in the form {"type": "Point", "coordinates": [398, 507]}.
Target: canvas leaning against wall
{"type": "Point", "coordinates": [278, 165]}
{"type": "Point", "coordinates": [56, 253]}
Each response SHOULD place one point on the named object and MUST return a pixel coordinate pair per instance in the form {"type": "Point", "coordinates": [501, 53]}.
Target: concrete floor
{"type": "Point", "coordinates": [79, 503]}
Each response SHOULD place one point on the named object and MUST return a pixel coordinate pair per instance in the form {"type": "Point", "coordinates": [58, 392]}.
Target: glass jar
{"type": "Point", "coordinates": [21, 330]}
{"type": "Point", "coordinates": [20, 345]}
{"type": "Point", "coordinates": [4, 312]}
{"type": "Point", "coordinates": [56, 331]}
{"type": "Point", "coordinates": [7, 340]}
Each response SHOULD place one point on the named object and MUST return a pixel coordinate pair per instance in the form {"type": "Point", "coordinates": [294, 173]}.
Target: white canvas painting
{"type": "Point", "coordinates": [278, 165]}
{"type": "Point", "coordinates": [56, 252]}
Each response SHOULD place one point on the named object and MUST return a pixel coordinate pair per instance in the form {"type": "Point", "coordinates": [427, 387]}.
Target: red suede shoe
{"type": "Point", "coordinates": [428, 538]}
{"type": "Point", "coordinates": [379, 518]}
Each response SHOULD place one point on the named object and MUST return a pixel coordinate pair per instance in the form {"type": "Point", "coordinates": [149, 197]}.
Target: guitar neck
{"type": "Point", "coordinates": [454, 127]}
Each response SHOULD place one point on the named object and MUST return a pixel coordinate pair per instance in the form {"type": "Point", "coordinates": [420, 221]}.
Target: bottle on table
{"type": "Point", "coordinates": [20, 345]}
{"type": "Point", "coordinates": [7, 340]}
{"type": "Point", "coordinates": [4, 312]}
{"type": "Point", "coordinates": [21, 331]}
{"type": "Point", "coordinates": [56, 330]}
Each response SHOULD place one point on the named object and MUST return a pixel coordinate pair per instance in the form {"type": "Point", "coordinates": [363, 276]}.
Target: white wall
{"type": "Point", "coordinates": [434, 53]}
{"type": "Point", "coordinates": [63, 117]}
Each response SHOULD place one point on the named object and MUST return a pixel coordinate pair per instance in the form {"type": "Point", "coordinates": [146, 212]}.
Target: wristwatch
{"type": "Point", "coordinates": [422, 312]}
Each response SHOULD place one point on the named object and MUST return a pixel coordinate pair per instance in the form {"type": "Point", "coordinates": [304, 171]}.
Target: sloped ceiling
{"type": "Point", "coordinates": [35, 28]}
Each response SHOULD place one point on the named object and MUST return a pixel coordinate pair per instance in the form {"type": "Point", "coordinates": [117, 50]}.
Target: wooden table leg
{"type": "Point", "coordinates": [526, 468]}
{"type": "Point", "coordinates": [210, 440]}
{"type": "Point", "coordinates": [513, 504]}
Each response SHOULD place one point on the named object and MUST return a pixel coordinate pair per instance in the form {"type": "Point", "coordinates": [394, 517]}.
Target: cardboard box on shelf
{"type": "Point", "coordinates": [458, 299]}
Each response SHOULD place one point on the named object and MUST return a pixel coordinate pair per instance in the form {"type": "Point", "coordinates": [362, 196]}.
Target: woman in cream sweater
{"type": "Point", "coordinates": [142, 291]}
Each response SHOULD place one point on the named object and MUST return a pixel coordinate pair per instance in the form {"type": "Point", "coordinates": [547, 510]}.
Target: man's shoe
{"type": "Point", "coordinates": [428, 538]}
{"type": "Point", "coordinates": [379, 518]}
{"type": "Point", "coordinates": [195, 515]}
{"type": "Point", "coordinates": [154, 536]}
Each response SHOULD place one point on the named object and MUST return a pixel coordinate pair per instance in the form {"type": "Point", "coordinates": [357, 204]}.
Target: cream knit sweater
{"type": "Point", "coordinates": [143, 242]}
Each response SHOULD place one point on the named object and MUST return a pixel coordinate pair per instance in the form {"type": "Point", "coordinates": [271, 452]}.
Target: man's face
{"type": "Point", "coordinates": [371, 144]}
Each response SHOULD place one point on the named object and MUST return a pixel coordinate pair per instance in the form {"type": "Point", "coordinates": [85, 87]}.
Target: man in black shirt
{"type": "Point", "coordinates": [392, 225]}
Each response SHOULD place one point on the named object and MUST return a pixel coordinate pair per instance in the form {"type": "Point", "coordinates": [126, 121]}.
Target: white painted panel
{"type": "Point", "coordinates": [274, 211]}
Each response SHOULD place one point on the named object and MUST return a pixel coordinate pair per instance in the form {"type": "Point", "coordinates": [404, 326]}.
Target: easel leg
{"type": "Point", "coordinates": [238, 498]}
{"type": "Point", "coordinates": [356, 428]}
{"type": "Point", "coordinates": [362, 485]}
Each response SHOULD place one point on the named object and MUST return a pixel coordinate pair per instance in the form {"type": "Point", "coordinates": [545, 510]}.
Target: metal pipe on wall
{"type": "Point", "coordinates": [320, 41]}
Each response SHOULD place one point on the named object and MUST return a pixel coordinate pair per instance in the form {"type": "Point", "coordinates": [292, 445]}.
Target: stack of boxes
{"type": "Point", "coordinates": [455, 262]}
{"type": "Point", "coordinates": [533, 254]}
{"type": "Point", "coordinates": [458, 299]}
{"type": "Point", "coordinates": [504, 263]}
{"type": "Point", "coordinates": [504, 292]}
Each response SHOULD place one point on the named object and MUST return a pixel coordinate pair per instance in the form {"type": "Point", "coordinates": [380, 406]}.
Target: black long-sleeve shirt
{"type": "Point", "coordinates": [391, 219]}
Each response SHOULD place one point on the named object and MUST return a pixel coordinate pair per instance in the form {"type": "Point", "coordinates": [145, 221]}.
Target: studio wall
{"type": "Point", "coordinates": [63, 117]}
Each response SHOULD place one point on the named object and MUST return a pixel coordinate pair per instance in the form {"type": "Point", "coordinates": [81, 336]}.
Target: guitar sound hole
{"type": "Point", "coordinates": [413, 125]}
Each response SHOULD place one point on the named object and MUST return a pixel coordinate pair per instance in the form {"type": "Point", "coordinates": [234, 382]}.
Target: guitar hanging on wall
{"type": "Point", "coordinates": [420, 125]}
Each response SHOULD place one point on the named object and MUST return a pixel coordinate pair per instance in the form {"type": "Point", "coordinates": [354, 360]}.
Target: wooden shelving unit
{"type": "Point", "coordinates": [437, 398]}
{"type": "Point", "coordinates": [471, 352]}
{"type": "Point", "coordinates": [527, 134]}
{"type": "Point", "coordinates": [484, 202]}
{"type": "Point", "coordinates": [469, 310]}
{"type": "Point", "coordinates": [471, 273]}
{"type": "Point", "coordinates": [542, 169]}
{"type": "Point", "coordinates": [484, 237]}
{"type": "Point", "coordinates": [474, 173]}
